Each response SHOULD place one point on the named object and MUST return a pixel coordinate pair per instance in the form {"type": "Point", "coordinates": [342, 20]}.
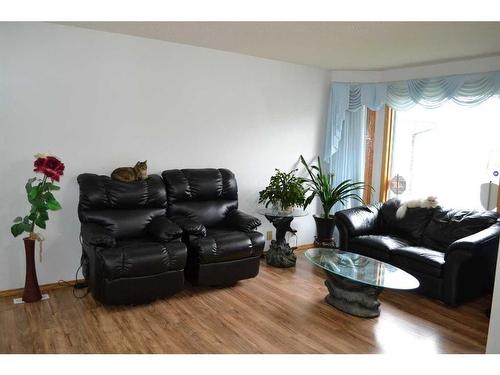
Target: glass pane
{"type": "Point", "coordinates": [450, 152]}
{"type": "Point", "coordinates": [362, 269]}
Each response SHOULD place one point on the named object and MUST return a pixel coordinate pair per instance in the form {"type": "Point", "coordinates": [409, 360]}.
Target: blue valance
{"type": "Point", "coordinates": [467, 90]}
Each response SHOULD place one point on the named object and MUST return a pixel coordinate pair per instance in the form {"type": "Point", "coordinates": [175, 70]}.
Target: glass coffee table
{"type": "Point", "coordinates": [355, 281]}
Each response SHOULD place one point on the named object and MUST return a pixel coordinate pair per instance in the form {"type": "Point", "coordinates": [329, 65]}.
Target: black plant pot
{"type": "Point", "coordinates": [324, 231]}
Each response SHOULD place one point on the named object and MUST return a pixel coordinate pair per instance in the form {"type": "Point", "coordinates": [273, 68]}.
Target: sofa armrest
{"type": "Point", "coordinates": [239, 220]}
{"type": "Point", "coordinates": [487, 238]}
{"type": "Point", "coordinates": [163, 229]}
{"type": "Point", "coordinates": [189, 226]}
{"type": "Point", "coordinates": [358, 220]}
{"type": "Point", "coordinates": [469, 268]}
{"type": "Point", "coordinates": [97, 235]}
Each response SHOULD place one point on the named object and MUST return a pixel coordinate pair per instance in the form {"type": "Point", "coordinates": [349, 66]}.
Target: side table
{"type": "Point", "coordinates": [280, 254]}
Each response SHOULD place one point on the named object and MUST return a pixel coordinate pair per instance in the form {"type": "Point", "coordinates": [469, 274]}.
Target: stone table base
{"type": "Point", "coordinates": [352, 297]}
{"type": "Point", "coordinates": [280, 255]}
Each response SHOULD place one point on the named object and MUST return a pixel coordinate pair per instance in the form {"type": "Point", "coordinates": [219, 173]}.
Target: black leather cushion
{"type": "Point", "coordinates": [258, 242]}
{"type": "Point", "coordinates": [123, 224]}
{"type": "Point", "coordinates": [376, 246]}
{"type": "Point", "coordinates": [124, 209]}
{"type": "Point", "coordinates": [100, 192]}
{"type": "Point", "coordinates": [208, 213]}
{"type": "Point", "coordinates": [162, 229]}
{"type": "Point", "coordinates": [97, 235]}
{"type": "Point", "coordinates": [447, 226]}
{"type": "Point", "coordinates": [189, 227]}
{"type": "Point", "coordinates": [419, 259]}
{"type": "Point", "coordinates": [200, 184]}
{"type": "Point", "coordinates": [238, 220]}
{"type": "Point", "coordinates": [141, 257]}
{"type": "Point", "coordinates": [223, 245]}
{"type": "Point", "coordinates": [411, 227]}
{"type": "Point", "coordinates": [203, 195]}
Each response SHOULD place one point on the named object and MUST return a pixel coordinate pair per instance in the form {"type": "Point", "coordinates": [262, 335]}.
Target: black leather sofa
{"type": "Point", "coordinates": [223, 246]}
{"type": "Point", "coordinates": [451, 252]}
{"type": "Point", "coordinates": [133, 253]}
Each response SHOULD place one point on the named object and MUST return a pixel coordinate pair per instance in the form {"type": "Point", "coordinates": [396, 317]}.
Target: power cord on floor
{"type": "Point", "coordinates": [76, 285]}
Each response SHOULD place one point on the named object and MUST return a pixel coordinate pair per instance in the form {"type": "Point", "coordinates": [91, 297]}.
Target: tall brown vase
{"type": "Point", "coordinates": [31, 289]}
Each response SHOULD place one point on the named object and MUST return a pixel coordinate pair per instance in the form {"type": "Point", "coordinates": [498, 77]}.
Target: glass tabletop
{"type": "Point", "coordinates": [361, 268]}
{"type": "Point", "coordinates": [296, 212]}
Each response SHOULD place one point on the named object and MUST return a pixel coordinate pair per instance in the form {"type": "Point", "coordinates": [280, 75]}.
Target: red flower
{"type": "Point", "coordinates": [50, 166]}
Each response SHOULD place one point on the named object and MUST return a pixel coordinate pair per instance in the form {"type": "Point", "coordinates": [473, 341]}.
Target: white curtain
{"type": "Point", "coordinates": [467, 90]}
{"type": "Point", "coordinates": [348, 162]}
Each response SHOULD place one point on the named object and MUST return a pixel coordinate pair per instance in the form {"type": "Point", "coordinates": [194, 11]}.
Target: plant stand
{"type": "Point", "coordinates": [280, 254]}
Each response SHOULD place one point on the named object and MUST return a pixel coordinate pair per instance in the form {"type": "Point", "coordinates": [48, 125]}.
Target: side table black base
{"type": "Point", "coordinates": [352, 297]}
{"type": "Point", "coordinates": [280, 255]}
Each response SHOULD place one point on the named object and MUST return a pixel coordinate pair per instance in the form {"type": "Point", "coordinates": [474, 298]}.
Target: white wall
{"type": "Point", "coordinates": [493, 345]}
{"type": "Point", "coordinates": [100, 100]}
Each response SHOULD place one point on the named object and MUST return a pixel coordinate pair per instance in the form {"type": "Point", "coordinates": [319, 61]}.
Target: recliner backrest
{"type": "Point", "coordinates": [124, 208]}
{"type": "Point", "coordinates": [204, 195]}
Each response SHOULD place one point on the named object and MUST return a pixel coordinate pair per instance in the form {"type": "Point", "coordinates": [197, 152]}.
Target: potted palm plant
{"type": "Point", "coordinates": [285, 191]}
{"type": "Point", "coordinates": [321, 185]}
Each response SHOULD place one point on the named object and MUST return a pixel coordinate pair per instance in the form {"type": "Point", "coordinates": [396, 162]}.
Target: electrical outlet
{"type": "Point", "coordinates": [269, 235]}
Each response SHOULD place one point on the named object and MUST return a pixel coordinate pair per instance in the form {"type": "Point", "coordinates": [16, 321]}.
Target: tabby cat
{"type": "Point", "coordinates": [128, 174]}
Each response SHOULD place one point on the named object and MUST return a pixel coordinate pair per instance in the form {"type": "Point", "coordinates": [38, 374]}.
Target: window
{"type": "Point", "coordinates": [451, 152]}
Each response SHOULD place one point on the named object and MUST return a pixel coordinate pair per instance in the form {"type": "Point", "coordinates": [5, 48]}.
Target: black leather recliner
{"type": "Point", "coordinates": [223, 246]}
{"type": "Point", "coordinates": [131, 252]}
{"type": "Point", "coordinates": [451, 252]}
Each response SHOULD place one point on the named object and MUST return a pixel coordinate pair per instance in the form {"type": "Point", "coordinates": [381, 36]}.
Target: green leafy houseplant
{"type": "Point", "coordinates": [39, 194]}
{"type": "Point", "coordinates": [285, 190]}
{"type": "Point", "coordinates": [322, 186]}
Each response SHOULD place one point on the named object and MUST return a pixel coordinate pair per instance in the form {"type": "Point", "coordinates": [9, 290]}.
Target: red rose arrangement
{"type": "Point", "coordinates": [39, 193]}
{"type": "Point", "coordinates": [50, 166]}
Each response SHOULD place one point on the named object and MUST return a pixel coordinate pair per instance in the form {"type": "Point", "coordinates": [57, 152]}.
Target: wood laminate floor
{"type": "Point", "coordinates": [280, 311]}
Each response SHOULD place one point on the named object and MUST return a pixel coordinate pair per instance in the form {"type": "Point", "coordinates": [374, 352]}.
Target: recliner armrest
{"type": "Point", "coordinates": [239, 220]}
{"type": "Point", "coordinates": [97, 235]}
{"type": "Point", "coordinates": [359, 220]}
{"type": "Point", "coordinates": [484, 239]}
{"type": "Point", "coordinates": [164, 229]}
{"type": "Point", "coordinates": [189, 226]}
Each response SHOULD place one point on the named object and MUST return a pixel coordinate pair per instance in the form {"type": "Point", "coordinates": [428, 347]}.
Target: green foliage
{"type": "Point", "coordinates": [284, 190]}
{"type": "Point", "coordinates": [41, 200]}
{"type": "Point", "coordinates": [321, 185]}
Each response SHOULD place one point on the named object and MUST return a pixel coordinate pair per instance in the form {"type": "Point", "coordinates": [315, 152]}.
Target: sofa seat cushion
{"type": "Point", "coordinates": [222, 245]}
{"type": "Point", "coordinates": [377, 246]}
{"type": "Point", "coordinates": [419, 259]}
{"type": "Point", "coordinates": [136, 258]}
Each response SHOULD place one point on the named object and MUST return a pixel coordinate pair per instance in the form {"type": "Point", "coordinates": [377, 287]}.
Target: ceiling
{"type": "Point", "coordinates": [329, 45]}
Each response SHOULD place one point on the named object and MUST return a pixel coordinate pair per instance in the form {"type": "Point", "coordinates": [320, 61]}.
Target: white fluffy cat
{"type": "Point", "coordinates": [429, 202]}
